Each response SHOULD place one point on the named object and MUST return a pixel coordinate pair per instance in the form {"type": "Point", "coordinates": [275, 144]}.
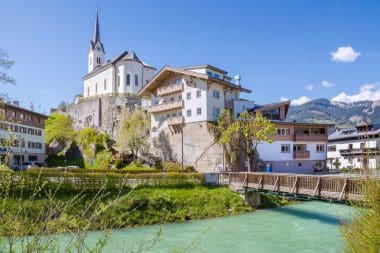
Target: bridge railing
{"type": "Point", "coordinates": [328, 187]}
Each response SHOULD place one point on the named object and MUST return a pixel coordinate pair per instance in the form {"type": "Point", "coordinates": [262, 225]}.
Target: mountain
{"type": "Point", "coordinates": [323, 110]}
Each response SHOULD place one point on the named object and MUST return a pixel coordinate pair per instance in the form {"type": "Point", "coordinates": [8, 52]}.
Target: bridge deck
{"type": "Point", "coordinates": [323, 186]}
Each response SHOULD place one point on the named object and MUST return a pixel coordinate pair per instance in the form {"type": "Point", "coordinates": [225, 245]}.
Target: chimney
{"type": "Point", "coordinates": [16, 103]}
{"type": "Point", "coordinates": [237, 79]}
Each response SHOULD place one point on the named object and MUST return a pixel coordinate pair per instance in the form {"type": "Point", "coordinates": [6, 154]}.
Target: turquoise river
{"type": "Point", "coordinates": [311, 226]}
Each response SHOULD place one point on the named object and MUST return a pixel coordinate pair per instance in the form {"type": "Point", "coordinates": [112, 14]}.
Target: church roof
{"type": "Point", "coordinates": [125, 56]}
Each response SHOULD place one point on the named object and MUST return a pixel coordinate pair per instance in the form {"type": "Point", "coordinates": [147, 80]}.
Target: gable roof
{"type": "Point", "coordinates": [167, 70]}
{"type": "Point", "coordinates": [124, 56]}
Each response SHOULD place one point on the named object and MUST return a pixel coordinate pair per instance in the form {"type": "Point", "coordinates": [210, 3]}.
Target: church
{"type": "Point", "coordinates": [109, 87]}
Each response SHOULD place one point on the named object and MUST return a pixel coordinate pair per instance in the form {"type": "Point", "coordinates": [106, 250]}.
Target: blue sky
{"type": "Point", "coordinates": [282, 49]}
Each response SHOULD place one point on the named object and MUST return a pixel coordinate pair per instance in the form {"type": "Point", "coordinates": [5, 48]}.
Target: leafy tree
{"type": "Point", "coordinates": [59, 127]}
{"type": "Point", "coordinates": [5, 64]}
{"type": "Point", "coordinates": [91, 141]}
{"type": "Point", "coordinates": [62, 106]}
{"type": "Point", "coordinates": [133, 132]}
{"type": "Point", "coordinates": [246, 132]}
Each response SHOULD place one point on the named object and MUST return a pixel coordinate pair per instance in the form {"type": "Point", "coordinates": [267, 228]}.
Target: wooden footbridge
{"type": "Point", "coordinates": [331, 187]}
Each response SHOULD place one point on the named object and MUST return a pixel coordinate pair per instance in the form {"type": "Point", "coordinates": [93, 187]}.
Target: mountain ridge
{"type": "Point", "coordinates": [323, 110]}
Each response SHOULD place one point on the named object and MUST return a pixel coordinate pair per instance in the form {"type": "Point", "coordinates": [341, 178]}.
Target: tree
{"type": "Point", "coordinates": [59, 127]}
{"type": "Point", "coordinates": [133, 132]}
{"type": "Point", "coordinates": [62, 106]}
{"type": "Point", "coordinates": [91, 141]}
{"type": "Point", "coordinates": [5, 64]}
{"type": "Point", "coordinates": [246, 132]}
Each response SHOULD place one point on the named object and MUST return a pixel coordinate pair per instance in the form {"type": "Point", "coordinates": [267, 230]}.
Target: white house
{"type": "Point", "coordinates": [297, 147]}
{"type": "Point", "coordinates": [354, 148]}
{"type": "Point", "coordinates": [190, 97]}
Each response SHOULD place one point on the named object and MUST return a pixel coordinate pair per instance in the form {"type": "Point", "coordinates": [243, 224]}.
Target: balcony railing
{"type": "Point", "coordinates": [301, 154]}
{"type": "Point", "coordinates": [175, 121]}
{"type": "Point", "coordinates": [310, 137]}
{"type": "Point", "coordinates": [165, 106]}
{"type": "Point", "coordinates": [359, 151]}
{"type": "Point", "coordinates": [169, 89]}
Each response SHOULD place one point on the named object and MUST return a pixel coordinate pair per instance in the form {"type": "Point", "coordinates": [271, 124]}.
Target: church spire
{"type": "Point", "coordinates": [96, 37]}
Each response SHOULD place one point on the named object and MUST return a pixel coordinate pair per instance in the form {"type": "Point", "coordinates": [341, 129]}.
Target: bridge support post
{"type": "Point", "coordinates": [252, 198]}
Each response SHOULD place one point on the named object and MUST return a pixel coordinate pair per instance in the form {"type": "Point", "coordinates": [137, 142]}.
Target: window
{"type": "Point", "coordinates": [188, 113]}
{"type": "Point", "coordinates": [136, 80]}
{"type": "Point", "coordinates": [168, 116]}
{"type": "Point", "coordinates": [188, 95]}
{"type": "Point", "coordinates": [209, 73]}
{"type": "Point", "coordinates": [199, 111]}
{"type": "Point", "coordinates": [88, 91]}
{"type": "Point", "coordinates": [199, 93]}
{"type": "Point", "coordinates": [215, 94]}
{"type": "Point", "coordinates": [283, 131]}
{"type": "Point", "coordinates": [128, 80]}
{"type": "Point", "coordinates": [31, 144]}
{"type": "Point", "coordinates": [331, 148]}
{"type": "Point", "coordinates": [98, 60]}
{"type": "Point", "coordinates": [13, 114]}
{"type": "Point", "coordinates": [23, 130]}
{"type": "Point", "coordinates": [215, 112]}
{"type": "Point", "coordinates": [22, 116]}
{"type": "Point", "coordinates": [299, 165]}
{"type": "Point", "coordinates": [320, 148]}
{"type": "Point", "coordinates": [14, 128]}
{"type": "Point", "coordinates": [285, 148]}
{"type": "Point", "coordinates": [105, 84]}
{"type": "Point", "coordinates": [96, 88]}
{"type": "Point", "coordinates": [32, 158]}
{"type": "Point", "coordinates": [286, 165]}
{"type": "Point", "coordinates": [217, 76]}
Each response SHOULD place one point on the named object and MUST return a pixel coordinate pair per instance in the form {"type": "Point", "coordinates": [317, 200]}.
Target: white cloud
{"type": "Point", "coordinates": [283, 99]}
{"type": "Point", "coordinates": [345, 54]}
{"type": "Point", "coordinates": [368, 91]}
{"type": "Point", "coordinates": [327, 84]}
{"type": "Point", "coordinates": [300, 101]}
{"type": "Point", "coordinates": [309, 86]}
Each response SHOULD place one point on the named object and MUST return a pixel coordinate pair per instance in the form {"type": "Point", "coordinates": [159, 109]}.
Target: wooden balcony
{"type": "Point", "coordinates": [170, 89]}
{"type": "Point", "coordinates": [359, 151]}
{"type": "Point", "coordinates": [301, 154]}
{"type": "Point", "coordinates": [165, 106]}
{"type": "Point", "coordinates": [175, 121]}
{"type": "Point", "coordinates": [310, 137]}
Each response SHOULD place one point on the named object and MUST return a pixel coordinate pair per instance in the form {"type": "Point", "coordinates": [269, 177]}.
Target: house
{"type": "Point", "coordinates": [183, 103]}
{"type": "Point", "coordinates": [354, 148]}
{"type": "Point", "coordinates": [297, 147]}
{"type": "Point", "coordinates": [25, 128]}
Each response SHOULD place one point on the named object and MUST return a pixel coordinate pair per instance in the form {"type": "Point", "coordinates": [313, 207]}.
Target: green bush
{"type": "Point", "coordinates": [176, 167]}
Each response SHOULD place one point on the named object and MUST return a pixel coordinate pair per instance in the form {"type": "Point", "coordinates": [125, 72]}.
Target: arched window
{"type": "Point", "coordinates": [136, 80]}
{"type": "Point", "coordinates": [128, 80]}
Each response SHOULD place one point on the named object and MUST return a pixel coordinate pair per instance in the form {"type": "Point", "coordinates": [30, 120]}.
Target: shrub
{"type": "Point", "coordinates": [176, 167]}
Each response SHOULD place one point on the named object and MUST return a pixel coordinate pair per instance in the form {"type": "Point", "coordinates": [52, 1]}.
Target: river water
{"type": "Point", "coordinates": [311, 226]}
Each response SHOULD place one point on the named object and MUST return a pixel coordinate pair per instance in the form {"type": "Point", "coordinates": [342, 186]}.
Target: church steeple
{"type": "Point", "coordinates": [96, 37]}
{"type": "Point", "coordinates": [96, 50]}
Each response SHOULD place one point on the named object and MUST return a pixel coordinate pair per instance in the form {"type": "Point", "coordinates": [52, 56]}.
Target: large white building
{"type": "Point", "coordinates": [26, 130]}
{"type": "Point", "coordinates": [354, 148]}
{"type": "Point", "coordinates": [108, 87]}
{"type": "Point", "coordinates": [192, 97]}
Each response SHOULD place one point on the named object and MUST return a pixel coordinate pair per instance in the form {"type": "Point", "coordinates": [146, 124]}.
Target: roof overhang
{"type": "Point", "coordinates": [166, 71]}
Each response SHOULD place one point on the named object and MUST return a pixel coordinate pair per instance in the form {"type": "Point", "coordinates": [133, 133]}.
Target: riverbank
{"type": "Point", "coordinates": [63, 210]}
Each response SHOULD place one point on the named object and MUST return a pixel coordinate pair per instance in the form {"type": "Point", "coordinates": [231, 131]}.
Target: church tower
{"type": "Point", "coordinates": [96, 50]}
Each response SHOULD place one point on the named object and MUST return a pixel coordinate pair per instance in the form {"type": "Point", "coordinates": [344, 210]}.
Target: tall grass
{"type": "Point", "coordinates": [362, 234]}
